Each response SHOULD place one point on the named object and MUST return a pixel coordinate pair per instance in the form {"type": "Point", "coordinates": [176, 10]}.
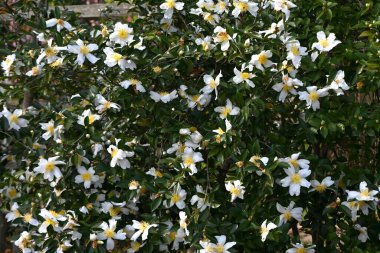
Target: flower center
{"type": "Point", "coordinates": [294, 163]}
{"type": "Point", "coordinates": [364, 194]}
{"type": "Point", "coordinates": [50, 52]}
{"type": "Point", "coordinates": [313, 96]}
{"type": "Point", "coordinates": [28, 217]}
{"type": "Point", "coordinates": [205, 46]}
{"type": "Point", "coordinates": [188, 161]}
{"type": "Point", "coordinates": [158, 173]}
{"type": "Point", "coordinates": [245, 75]}
{"type": "Point", "coordinates": [35, 71]}
{"type": "Point", "coordinates": [262, 59]}
{"type": "Point", "coordinates": [143, 225]}
{"type": "Point", "coordinates": [50, 222]}
{"type": "Point", "coordinates": [116, 56]}
{"type": "Point", "coordinates": [114, 211]}
{"type": "Point", "coordinates": [301, 250]}
{"type": "Point", "coordinates": [12, 193]}
{"type": "Point", "coordinates": [107, 104]}
{"type": "Point", "coordinates": [170, 4]}
{"type": "Point", "coordinates": [136, 246]}
{"type": "Point", "coordinates": [243, 7]}
{"type": "Point", "coordinates": [222, 36]}
{"type": "Point", "coordinates": [219, 248]}
{"type": "Point", "coordinates": [109, 233]}
{"type": "Point", "coordinates": [50, 129]}
{"type": "Point", "coordinates": [122, 33]}
{"type": "Point", "coordinates": [60, 22]}
{"type": "Point", "coordinates": [213, 84]}
{"type": "Point", "coordinates": [91, 119]}
{"type": "Point", "coordinates": [226, 111]}
{"type": "Point", "coordinates": [84, 50]}
{"type": "Point", "coordinates": [49, 167]}
{"type": "Point", "coordinates": [321, 188]}
{"type": "Point", "coordinates": [114, 152]}
{"type": "Point", "coordinates": [175, 198]}
{"type": "Point", "coordinates": [295, 50]}
{"type": "Point", "coordinates": [296, 178]}
{"type": "Point", "coordinates": [86, 176]}
{"type": "Point", "coordinates": [324, 43]}
{"type": "Point", "coordinates": [14, 118]}
{"type": "Point", "coordinates": [287, 216]}
{"type": "Point", "coordinates": [235, 191]}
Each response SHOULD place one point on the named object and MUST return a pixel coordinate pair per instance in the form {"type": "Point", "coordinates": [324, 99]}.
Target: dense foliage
{"type": "Point", "coordinates": [211, 126]}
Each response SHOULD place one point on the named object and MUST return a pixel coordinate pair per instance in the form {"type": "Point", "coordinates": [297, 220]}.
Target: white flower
{"type": "Point", "coordinates": [103, 104]}
{"type": "Point", "coordinates": [142, 228]}
{"type": "Point", "coordinates": [213, 19]}
{"type": "Point", "coordinates": [51, 130]}
{"type": "Point", "coordinates": [86, 176]}
{"type": "Point", "coordinates": [284, 6]}
{"type": "Point", "coordinates": [166, 25]}
{"type": "Point", "coordinates": [296, 163]}
{"type": "Point", "coordinates": [222, 37]}
{"type": "Point", "coordinates": [221, 6]}
{"type": "Point", "coordinates": [261, 60]}
{"type": "Point", "coordinates": [113, 59]}
{"type": "Point", "coordinates": [363, 235]}
{"type": "Point", "coordinates": [119, 157]}
{"type": "Point", "coordinates": [208, 247]}
{"type": "Point", "coordinates": [220, 131]}
{"type": "Point", "coordinates": [51, 218]}
{"type": "Point", "coordinates": [169, 6]}
{"type": "Point", "coordinates": [339, 84]}
{"type": "Point", "coordinates": [114, 209]}
{"type": "Point", "coordinates": [295, 53]}
{"type": "Point", "coordinates": [355, 206]}
{"type": "Point", "coordinates": [49, 169]}
{"type": "Point", "coordinates": [200, 101]}
{"type": "Point", "coordinates": [242, 6]}
{"type": "Point", "coordinates": [36, 70]}
{"type": "Point", "coordinates": [110, 234]}
{"type": "Point", "coordinates": [201, 201]}
{"type": "Point", "coordinates": [183, 222]}
{"type": "Point", "coordinates": [264, 229]}
{"type": "Point", "coordinates": [289, 212]}
{"type": "Point", "coordinates": [50, 53]}
{"type": "Point", "coordinates": [164, 97]}
{"type": "Point", "coordinates": [189, 160]}
{"type": "Point", "coordinates": [236, 189]}
{"type": "Point", "coordinates": [122, 34]}
{"type": "Point", "coordinates": [205, 43]}
{"type": "Point", "coordinates": [295, 180]}
{"type": "Point", "coordinates": [274, 30]}
{"type": "Point", "coordinates": [325, 44]}
{"type": "Point", "coordinates": [222, 246]}
{"type": "Point", "coordinates": [321, 186]}
{"type": "Point", "coordinates": [7, 63]}
{"type": "Point", "coordinates": [298, 248]}
{"type": "Point", "coordinates": [87, 114]}
{"type": "Point", "coordinates": [178, 198]}
{"type": "Point", "coordinates": [60, 23]}
{"type": "Point", "coordinates": [83, 51]}
{"type": "Point", "coordinates": [312, 95]}
{"type": "Point", "coordinates": [364, 194]}
{"type": "Point", "coordinates": [134, 83]}
{"type": "Point", "coordinates": [241, 76]}
{"type": "Point", "coordinates": [25, 242]}
{"type": "Point", "coordinates": [229, 109]}
{"type": "Point", "coordinates": [211, 84]}
{"type": "Point", "coordinates": [14, 119]}
{"type": "Point", "coordinates": [14, 213]}
{"type": "Point", "coordinates": [287, 86]}
{"type": "Point", "coordinates": [154, 172]}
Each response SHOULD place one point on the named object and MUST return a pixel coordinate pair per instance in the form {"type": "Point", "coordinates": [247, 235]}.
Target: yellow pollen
{"type": "Point", "coordinates": [114, 152]}
{"type": "Point", "coordinates": [134, 81]}
{"type": "Point", "coordinates": [170, 4]}
{"type": "Point", "coordinates": [86, 176]}
{"type": "Point", "coordinates": [364, 194]}
{"type": "Point", "coordinates": [134, 184]}
{"type": "Point", "coordinates": [222, 36]}
{"type": "Point", "coordinates": [181, 148]}
{"type": "Point", "coordinates": [295, 50]}
{"type": "Point", "coordinates": [219, 248]}
{"type": "Point", "coordinates": [172, 235]}
{"type": "Point", "coordinates": [116, 56]}
{"type": "Point", "coordinates": [301, 250]}
{"type": "Point", "coordinates": [313, 96]}
{"type": "Point", "coordinates": [188, 161]}
{"type": "Point", "coordinates": [35, 71]}
{"type": "Point", "coordinates": [107, 104]}
{"type": "Point", "coordinates": [235, 191]}
{"type": "Point", "coordinates": [321, 188]}
{"type": "Point", "coordinates": [12, 193]}
{"type": "Point", "coordinates": [50, 222]}
{"type": "Point", "coordinates": [164, 93]}
{"type": "Point", "coordinates": [294, 163]}
{"type": "Point", "coordinates": [208, 17]}
{"type": "Point", "coordinates": [50, 129]}
{"type": "Point", "coordinates": [109, 233]}
{"type": "Point", "coordinates": [262, 58]}
{"type": "Point", "coordinates": [143, 225]}
{"type": "Point", "coordinates": [114, 211]}
{"type": "Point", "coordinates": [91, 119]}
{"type": "Point", "coordinates": [296, 178]}
{"type": "Point", "coordinates": [50, 52]}
{"type": "Point", "coordinates": [243, 7]}
{"type": "Point", "coordinates": [122, 33]}
{"type": "Point", "coordinates": [245, 75]}
{"type": "Point", "coordinates": [49, 166]}
{"type": "Point", "coordinates": [84, 50]}
{"type": "Point", "coordinates": [226, 111]}
{"type": "Point", "coordinates": [60, 22]}
{"type": "Point", "coordinates": [205, 46]}
{"type": "Point", "coordinates": [195, 98]}
{"type": "Point", "coordinates": [136, 246]}
{"type": "Point", "coordinates": [287, 216]}
{"type": "Point", "coordinates": [175, 198]}
{"type": "Point", "coordinates": [14, 118]}
{"type": "Point", "coordinates": [28, 217]}
{"type": "Point", "coordinates": [158, 173]}
{"type": "Point", "coordinates": [324, 43]}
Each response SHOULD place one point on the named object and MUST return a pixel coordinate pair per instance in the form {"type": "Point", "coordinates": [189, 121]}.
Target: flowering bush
{"type": "Point", "coordinates": [210, 126]}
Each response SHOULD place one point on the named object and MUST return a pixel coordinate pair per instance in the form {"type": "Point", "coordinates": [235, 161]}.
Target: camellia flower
{"type": "Point", "coordinates": [325, 44]}
{"type": "Point", "coordinates": [222, 37]}
{"type": "Point", "coordinates": [142, 228]}
{"type": "Point", "coordinates": [178, 198]}
{"type": "Point", "coordinates": [287, 86]}
{"type": "Point", "coordinates": [283, 6]}
{"type": "Point", "coordinates": [339, 84]}
{"type": "Point", "coordinates": [51, 218]}
{"type": "Point", "coordinates": [213, 19]}
{"type": "Point", "coordinates": [363, 235]}
{"type": "Point", "coordinates": [183, 222]}
{"type": "Point", "coordinates": [299, 248]}
{"type": "Point", "coordinates": [60, 23]}
{"type": "Point", "coordinates": [25, 242]}
{"type": "Point", "coordinates": [242, 6]}
{"type": "Point", "coordinates": [208, 247]}
{"type": "Point", "coordinates": [169, 7]}
{"type": "Point", "coordinates": [49, 169]}
{"type": "Point", "coordinates": [83, 51]}
{"type": "Point", "coordinates": [295, 180]}
{"type": "Point", "coordinates": [154, 172]}
{"type": "Point", "coordinates": [264, 229]}
{"type": "Point", "coordinates": [164, 97]}
{"type": "Point", "coordinates": [289, 212]}
{"type": "Point", "coordinates": [103, 104]}
{"type": "Point", "coordinates": [229, 109]}
{"type": "Point", "coordinates": [261, 60]}
{"type": "Point", "coordinates": [119, 157]}
{"type": "Point", "coordinates": [113, 59]}
{"type": "Point", "coordinates": [50, 52]}
{"type": "Point", "coordinates": [211, 84]}
{"type": "Point", "coordinates": [236, 189]}
{"type": "Point", "coordinates": [122, 34]}
{"type": "Point", "coordinates": [86, 176]}
{"type": "Point", "coordinates": [274, 30]}
{"type": "Point", "coordinates": [201, 202]}
{"type": "Point", "coordinates": [14, 120]}
{"type": "Point", "coordinates": [364, 194]}
{"type": "Point", "coordinates": [36, 70]}
{"type": "Point", "coordinates": [87, 114]}
{"type": "Point", "coordinates": [295, 53]}
{"type": "Point", "coordinates": [190, 158]}
{"type": "Point", "coordinates": [296, 163]}
{"type": "Point", "coordinates": [205, 43]}
{"type": "Point", "coordinates": [110, 234]}
{"type": "Point", "coordinates": [134, 83]}
{"type": "Point", "coordinates": [221, 6]}
{"type": "Point", "coordinates": [51, 130]}
{"type": "Point", "coordinates": [7, 63]}
{"type": "Point", "coordinates": [222, 246]}
{"type": "Point", "coordinates": [355, 206]}
{"type": "Point", "coordinates": [242, 76]}
{"type": "Point", "coordinates": [312, 95]}
{"type": "Point", "coordinates": [321, 186]}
